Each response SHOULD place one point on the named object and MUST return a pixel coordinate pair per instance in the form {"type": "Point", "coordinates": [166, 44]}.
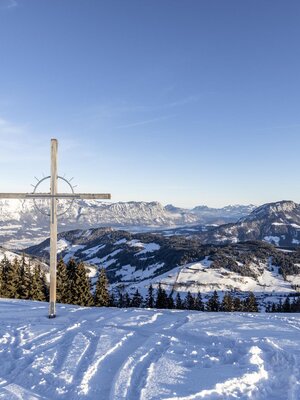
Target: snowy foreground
{"type": "Point", "coordinates": [94, 353]}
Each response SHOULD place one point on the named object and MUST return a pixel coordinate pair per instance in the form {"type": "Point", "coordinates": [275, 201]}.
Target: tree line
{"type": "Point", "coordinates": [73, 287]}
{"type": "Point", "coordinates": [21, 280]}
{"type": "Point", "coordinates": [290, 304]}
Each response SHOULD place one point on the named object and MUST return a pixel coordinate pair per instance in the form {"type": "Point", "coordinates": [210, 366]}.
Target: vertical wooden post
{"type": "Point", "coordinates": [54, 196]}
{"type": "Point", "coordinates": [53, 229]}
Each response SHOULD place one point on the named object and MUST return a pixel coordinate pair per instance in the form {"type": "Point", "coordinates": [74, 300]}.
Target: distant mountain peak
{"type": "Point", "coordinates": [277, 223]}
{"type": "Point", "coordinates": [279, 208]}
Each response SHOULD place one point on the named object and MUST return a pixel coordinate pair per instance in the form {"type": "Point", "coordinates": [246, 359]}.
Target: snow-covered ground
{"type": "Point", "coordinates": [119, 354]}
{"type": "Point", "coordinates": [199, 276]}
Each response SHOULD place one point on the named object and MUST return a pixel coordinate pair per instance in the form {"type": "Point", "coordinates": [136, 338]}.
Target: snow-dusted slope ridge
{"type": "Point", "coordinates": [119, 354]}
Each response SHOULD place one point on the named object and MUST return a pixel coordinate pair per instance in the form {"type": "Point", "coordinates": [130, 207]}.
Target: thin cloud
{"type": "Point", "coordinates": [181, 102]}
{"type": "Point", "coordinates": [12, 4]}
{"type": "Point", "coordinates": [145, 122]}
{"type": "Point", "coordinates": [7, 128]}
{"type": "Point", "coordinates": [111, 113]}
{"type": "Point", "coordinates": [8, 4]}
{"type": "Point", "coordinates": [111, 110]}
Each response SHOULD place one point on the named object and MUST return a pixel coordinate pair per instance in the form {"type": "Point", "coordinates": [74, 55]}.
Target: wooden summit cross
{"type": "Point", "coordinates": [54, 196]}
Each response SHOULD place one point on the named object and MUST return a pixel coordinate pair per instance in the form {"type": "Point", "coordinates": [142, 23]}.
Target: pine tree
{"type": "Point", "coordinates": [5, 265]}
{"type": "Point", "coordinates": [237, 304]}
{"type": "Point", "coordinates": [178, 302]}
{"type": "Point", "coordinates": [149, 302]}
{"type": "Point", "coordinates": [279, 306]}
{"type": "Point", "coordinates": [199, 306]}
{"type": "Point", "coordinates": [37, 290]}
{"type": "Point", "coordinates": [120, 300]}
{"type": "Point", "coordinates": [161, 298]}
{"type": "Point", "coordinates": [12, 279]}
{"type": "Point", "coordinates": [101, 296]}
{"type": "Point", "coordinates": [170, 301]}
{"type": "Point", "coordinates": [137, 299]}
{"type": "Point", "coordinates": [62, 282]}
{"type": "Point", "coordinates": [82, 295]}
{"type": "Point", "coordinates": [112, 300]}
{"type": "Point", "coordinates": [227, 303]}
{"type": "Point", "coordinates": [45, 285]}
{"type": "Point", "coordinates": [250, 304]}
{"type": "Point", "coordinates": [213, 303]}
{"type": "Point", "coordinates": [24, 285]}
{"type": "Point", "coordinates": [1, 281]}
{"type": "Point", "coordinates": [71, 277]}
{"type": "Point", "coordinates": [268, 307]}
{"type": "Point", "coordinates": [189, 302]}
{"type": "Point", "coordinates": [286, 307]}
{"type": "Point", "coordinates": [127, 300]}
{"type": "Point", "coordinates": [295, 306]}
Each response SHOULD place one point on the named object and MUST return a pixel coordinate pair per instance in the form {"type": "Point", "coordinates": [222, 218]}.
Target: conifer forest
{"type": "Point", "coordinates": [20, 280]}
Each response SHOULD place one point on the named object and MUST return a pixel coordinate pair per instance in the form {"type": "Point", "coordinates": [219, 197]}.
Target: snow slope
{"type": "Point", "coordinates": [10, 255]}
{"type": "Point", "coordinates": [194, 277]}
{"type": "Point", "coordinates": [119, 354]}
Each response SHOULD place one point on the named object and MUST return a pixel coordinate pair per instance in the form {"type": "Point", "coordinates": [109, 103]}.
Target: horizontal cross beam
{"type": "Point", "coordinates": [91, 196]}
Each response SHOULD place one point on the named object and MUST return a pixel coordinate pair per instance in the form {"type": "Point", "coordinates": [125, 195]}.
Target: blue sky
{"type": "Point", "coordinates": [186, 102]}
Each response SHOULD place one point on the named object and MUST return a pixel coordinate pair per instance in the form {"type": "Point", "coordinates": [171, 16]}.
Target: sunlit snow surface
{"type": "Point", "coordinates": [118, 354]}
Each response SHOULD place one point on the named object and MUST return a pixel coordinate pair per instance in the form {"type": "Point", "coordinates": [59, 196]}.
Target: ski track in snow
{"type": "Point", "coordinates": [138, 354]}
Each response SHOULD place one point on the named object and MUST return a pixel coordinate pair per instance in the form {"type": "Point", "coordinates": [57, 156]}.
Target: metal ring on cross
{"type": "Point", "coordinates": [70, 201]}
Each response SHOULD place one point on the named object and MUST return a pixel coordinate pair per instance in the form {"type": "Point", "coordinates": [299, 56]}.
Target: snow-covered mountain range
{"type": "Point", "coordinates": [22, 225]}
{"type": "Point", "coordinates": [192, 257]}
{"type": "Point", "coordinates": [277, 223]}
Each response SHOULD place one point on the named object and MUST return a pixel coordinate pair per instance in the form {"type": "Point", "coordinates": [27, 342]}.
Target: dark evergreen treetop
{"type": "Point", "coordinates": [82, 294]}
{"type": "Point", "coordinates": [161, 298]}
{"type": "Point", "coordinates": [227, 303]}
{"type": "Point", "coordinates": [11, 278]}
{"type": "Point", "coordinates": [189, 302]}
{"type": "Point", "coordinates": [62, 283]}
{"type": "Point", "coordinates": [150, 301]}
{"type": "Point", "coordinates": [199, 305]}
{"type": "Point", "coordinates": [178, 302]}
{"type": "Point", "coordinates": [250, 304]}
{"type": "Point", "coordinates": [24, 285]}
{"type": "Point", "coordinates": [137, 299]}
{"type": "Point", "coordinates": [37, 290]}
{"type": "Point", "coordinates": [213, 303]}
{"type": "Point", "coordinates": [101, 296]}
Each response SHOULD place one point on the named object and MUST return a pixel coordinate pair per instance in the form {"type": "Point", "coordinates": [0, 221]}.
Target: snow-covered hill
{"type": "Point", "coordinates": [138, 354]}
{"type": "Point", "coordinates": [22, 225]}
{"type": "Point", "coordinates": [29, 260]}
{"type": "Point", "coordinates": [277, 223]}
{"type": "Point", "coordinates": [179, 263]}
